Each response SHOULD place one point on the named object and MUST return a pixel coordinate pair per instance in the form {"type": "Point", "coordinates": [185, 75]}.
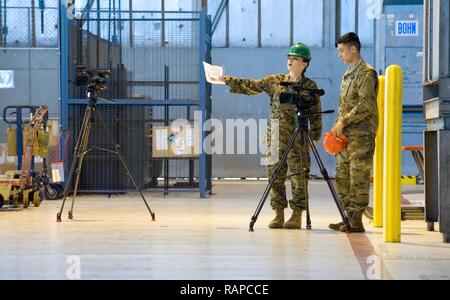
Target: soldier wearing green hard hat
{"type": "Point", "coordinates": [300, 50]}
{"type": "Point", "coordinates": [299, 58]}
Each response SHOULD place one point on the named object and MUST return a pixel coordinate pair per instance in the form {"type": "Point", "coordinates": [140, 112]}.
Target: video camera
{"type": "Point", "coordinates": [93, 80]}
{"type": "Point", "coordinates": [303, 98]}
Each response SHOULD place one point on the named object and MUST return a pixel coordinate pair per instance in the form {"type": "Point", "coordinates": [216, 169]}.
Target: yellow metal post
{"type": "Point", "coordinates": [378, 159]}
{"type": "Point", "coordinates": [392, 154]}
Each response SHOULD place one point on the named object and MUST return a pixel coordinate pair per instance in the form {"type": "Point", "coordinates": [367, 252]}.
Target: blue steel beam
{"type": "Point", "coordinates": [145, 19]}
{"type": "Point", "coordinates": [63, 74]}
{"type": "Point", "coordinates": [186, 102]}
{"type": "Point", "coordinates": [202, 91]}
{"type": "Point", "coordinates": [403, 2]}
{"type": "Point", "coordinates": [204, 56]}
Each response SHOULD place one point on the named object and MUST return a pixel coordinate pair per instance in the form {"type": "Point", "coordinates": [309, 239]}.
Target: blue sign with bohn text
{"type": "Point", "coordinates": [407, 28]}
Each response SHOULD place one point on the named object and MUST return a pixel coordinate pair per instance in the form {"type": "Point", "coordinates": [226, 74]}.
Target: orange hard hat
{"type": "Point", "coordinates": [334, 144]}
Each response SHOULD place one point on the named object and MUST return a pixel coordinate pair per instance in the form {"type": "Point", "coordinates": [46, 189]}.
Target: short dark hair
{"type": "Point", "coordinates": [350, 39]}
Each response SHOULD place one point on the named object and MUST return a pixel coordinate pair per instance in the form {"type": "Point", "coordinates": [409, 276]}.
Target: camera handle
{"type": "Point", "coordinates": [93, 97]}
{"type": "Point", "coordinates": [301, 128]}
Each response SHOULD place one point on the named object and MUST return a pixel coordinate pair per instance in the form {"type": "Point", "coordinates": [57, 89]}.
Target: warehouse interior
{"type": "Point", "coordinates": [119, 159]}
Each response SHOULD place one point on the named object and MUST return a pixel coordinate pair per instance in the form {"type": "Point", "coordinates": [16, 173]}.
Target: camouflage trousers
{"type": "Point", "coordinates": [353, 166]}
{"type": "Point", "coordinates": [297, 160]}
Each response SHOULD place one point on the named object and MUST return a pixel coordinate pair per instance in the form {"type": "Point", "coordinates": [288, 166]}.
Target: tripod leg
{"type": "Point", "coordinates": [67, 187]}
{"type": "Point", "coordinates": [85, 141]}
{"type": "Point", "coordinates": [330, 184]}
{"type": "Point", "coordinates": [272, 179]}
{"type": "Point", "coordinates": [77, 154]}
{"type": "Point", "coordinates": [119, 154]}
{"type": "Point", "coordinates": [308, 214]}
{"type": "Point", "coordinates": [304, 174]}
{"type": "Point", "coordinates": [135, 185]}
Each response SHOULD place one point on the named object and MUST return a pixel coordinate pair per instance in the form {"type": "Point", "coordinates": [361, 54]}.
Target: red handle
{"type": "Point", "coordinates": [66, 141]}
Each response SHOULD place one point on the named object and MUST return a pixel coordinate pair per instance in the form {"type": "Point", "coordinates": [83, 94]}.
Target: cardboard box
{"type": "Point", "coordinates": [175, 141]}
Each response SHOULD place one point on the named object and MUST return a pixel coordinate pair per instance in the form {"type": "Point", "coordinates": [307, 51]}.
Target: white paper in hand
{"type": "Point", "coordinates": [213, 73]}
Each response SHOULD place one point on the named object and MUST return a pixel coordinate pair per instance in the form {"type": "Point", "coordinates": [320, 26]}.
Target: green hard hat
{"type": "Point", "coordinates": [300, 50]}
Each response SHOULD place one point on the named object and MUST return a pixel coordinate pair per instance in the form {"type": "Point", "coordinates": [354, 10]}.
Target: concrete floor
{"type": "Point", "coordinates": [113, 238]}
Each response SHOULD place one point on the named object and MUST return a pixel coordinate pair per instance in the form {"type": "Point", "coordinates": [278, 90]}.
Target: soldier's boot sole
{"type": "Point", "coordinates": [355, 221]}
{"type": "Point", "coordinates": [292, 225]}
{"type": "Point", "coordinates": [352, 229]}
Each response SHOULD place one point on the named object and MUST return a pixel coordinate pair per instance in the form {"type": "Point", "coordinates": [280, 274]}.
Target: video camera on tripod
{"type": "Point", "coordinates": [303, 98]}
{"type": "Point", "coordinates": [93, 80]}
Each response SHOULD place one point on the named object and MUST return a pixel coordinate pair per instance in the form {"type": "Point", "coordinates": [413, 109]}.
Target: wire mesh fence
{"type": "Point", "coordinates": [29, 23]}
{"type": "Point", "coordinates": [152, 56]}
{"type": "Point", "coordinates": [137, 55]}
{"type": "Point", "coordinates": [133, 128]}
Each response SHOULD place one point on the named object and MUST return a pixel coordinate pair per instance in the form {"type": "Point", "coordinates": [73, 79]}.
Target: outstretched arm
{"type": "Point", "coordinates": [248, 86]}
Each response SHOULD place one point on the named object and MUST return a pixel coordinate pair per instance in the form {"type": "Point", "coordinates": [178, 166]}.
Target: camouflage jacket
{"type": "Point", "coordinates": [358, 100]}
{"type": "Point", "coordinates": [284, 113]}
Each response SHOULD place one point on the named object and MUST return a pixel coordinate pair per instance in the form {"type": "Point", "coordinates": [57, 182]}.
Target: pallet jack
{"type": "Point", "coordinates": [25, 185]}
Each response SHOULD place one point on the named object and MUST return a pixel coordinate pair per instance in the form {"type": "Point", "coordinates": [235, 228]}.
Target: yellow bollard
{"type": "Point", "coordinates": [392, 154]}
{"type": "Point", "coordinates": [378, 159]}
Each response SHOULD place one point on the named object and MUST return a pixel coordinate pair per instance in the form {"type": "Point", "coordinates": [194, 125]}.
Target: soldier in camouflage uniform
{"type": "Point", "coordinates": [358, 120]}
{"type": "Point", "coordinates": [299, 57]}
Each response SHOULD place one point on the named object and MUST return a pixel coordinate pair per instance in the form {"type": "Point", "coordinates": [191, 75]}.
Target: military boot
{"type": "Point", "coordinates": [337, 226]}
{"type": "Point", "coordinates": [279, 219]}
{"type": "Point", "coordinates": [295, 222]}
{"type": "Point", "coordinates": [355, 221]}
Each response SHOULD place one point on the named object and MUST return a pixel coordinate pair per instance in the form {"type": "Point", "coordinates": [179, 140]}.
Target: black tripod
{"type": "Point", "coordinates": [302, 130]}
{"type": "Point", "coordinates": [81, 149]}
